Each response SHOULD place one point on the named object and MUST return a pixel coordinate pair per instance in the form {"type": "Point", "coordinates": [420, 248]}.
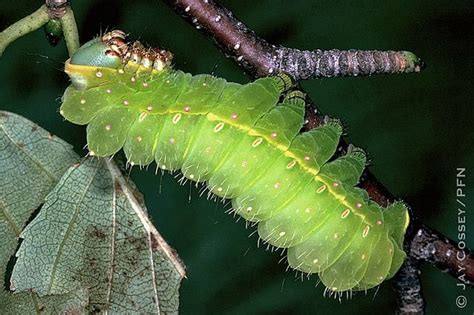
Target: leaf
{"type": "Point", "coordinates": [94, 232]}
{"type": "Point", "coordinates": [74, 302]}
{"type": "Point", "coordinates": [31, 162]}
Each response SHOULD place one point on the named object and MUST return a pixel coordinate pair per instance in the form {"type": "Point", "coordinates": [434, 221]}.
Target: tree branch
{"type": "Point", "coordinates": [431, 246]}
{"type": "Point", "coordinates": [259, 58]}
{"type": "Point", "coordinates": [408, 286]}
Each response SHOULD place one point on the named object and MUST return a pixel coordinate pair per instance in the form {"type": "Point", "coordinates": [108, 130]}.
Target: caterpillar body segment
{"type": "Point", "coordinates": [244, 141]}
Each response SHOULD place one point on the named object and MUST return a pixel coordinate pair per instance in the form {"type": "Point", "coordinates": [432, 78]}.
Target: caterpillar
{"type": "Point", "coordinates": [244, 142]}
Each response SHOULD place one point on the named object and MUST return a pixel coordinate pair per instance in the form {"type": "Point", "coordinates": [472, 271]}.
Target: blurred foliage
{"type": "Point", "coordinates": [416, 128]}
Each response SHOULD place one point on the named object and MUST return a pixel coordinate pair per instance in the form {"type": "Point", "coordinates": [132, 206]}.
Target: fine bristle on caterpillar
{"type": "Point", "coordinates": [244, 141]}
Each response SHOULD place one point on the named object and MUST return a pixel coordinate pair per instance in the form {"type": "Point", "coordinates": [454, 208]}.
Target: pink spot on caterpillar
{"type": "Point", "coordinates": [257, 142]}
{"type": "Point", "coordinates": [187, 109]}
{"type": "Point", "coordinates": [108, 91]}
{"type": "Point", "coordinates": [274, 135]}
{"type": "Point", "coordinates": [83, 101]}
{"type": "Point", "coordinates": [125, 102]}
{"type": "Point", "coordinates": [379, 222]}
{"type": "Point", "coordinates": [234, 116]}
{"type": "Point", "coordinates": [145, 84]}
{"type": "Point", "coordinates": [219, 127]}
{"type": "Point", "coordinates": [149, 108]}
{"type": "Point", "coordinates": [358, 205]}
{"type": "Point", "coordinates": [176, 118]}
{"type": "Point", "coordinates": [345, 213]}
{"type": "Point", "coordinates": [108, 127]}
{"type": "Point", "coordinates": [307, 158]}
{"type": "Point", "coordinates": [98, 74]}
{"type": "Point", "coordinates": [335, 184]}
{"type": "Point", "coordinates": [142, 116]}
{"type": "Point", "coordinates": [291, 164]}
{"type": "Point", "coordinates": [365, 232]}
{"type": "Point", "coordinates": [321, 189]}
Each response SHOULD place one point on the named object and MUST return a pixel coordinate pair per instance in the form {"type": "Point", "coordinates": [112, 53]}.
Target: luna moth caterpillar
{"type": "Point", "coordinates": [244, 142]}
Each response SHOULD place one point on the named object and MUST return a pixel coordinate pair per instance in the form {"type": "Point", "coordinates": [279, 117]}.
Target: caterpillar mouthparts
{"type": "Point", "coordinates": [244, 141]}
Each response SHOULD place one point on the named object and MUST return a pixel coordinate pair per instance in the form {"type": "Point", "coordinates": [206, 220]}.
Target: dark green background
{"type": "Point", "coordinates": [417, 129]}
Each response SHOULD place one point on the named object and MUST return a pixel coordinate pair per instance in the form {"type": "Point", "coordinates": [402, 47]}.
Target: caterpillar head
{"type": "Point", "coordinates": [111, 53]}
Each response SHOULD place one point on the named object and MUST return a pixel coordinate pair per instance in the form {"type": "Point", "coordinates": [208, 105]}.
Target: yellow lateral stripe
{"type": "Point", "coordinates": [289, 154]}
{"type": "Point", "coordinates": [87, 70]}
{"type": "Point", "coordinates": [284, 150]}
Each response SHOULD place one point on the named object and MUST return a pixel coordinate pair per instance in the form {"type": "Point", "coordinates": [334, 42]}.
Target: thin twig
{"type": "Point", "coordinates": [24, 26]}
{"type": "Point", "coordinates": [50, 10]}
{"type": "Point", "coordinates": [71, 36]}
{"type": "Point", "coordinates": [431, 246]}
{"type": "Point", "coordinates": [260, 58]}
{"type": "Point", "coordinates": [408, 287]}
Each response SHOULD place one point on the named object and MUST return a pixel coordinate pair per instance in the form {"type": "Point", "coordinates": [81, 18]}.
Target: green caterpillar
{"type": "Point", "coordinates": [247, 146]}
